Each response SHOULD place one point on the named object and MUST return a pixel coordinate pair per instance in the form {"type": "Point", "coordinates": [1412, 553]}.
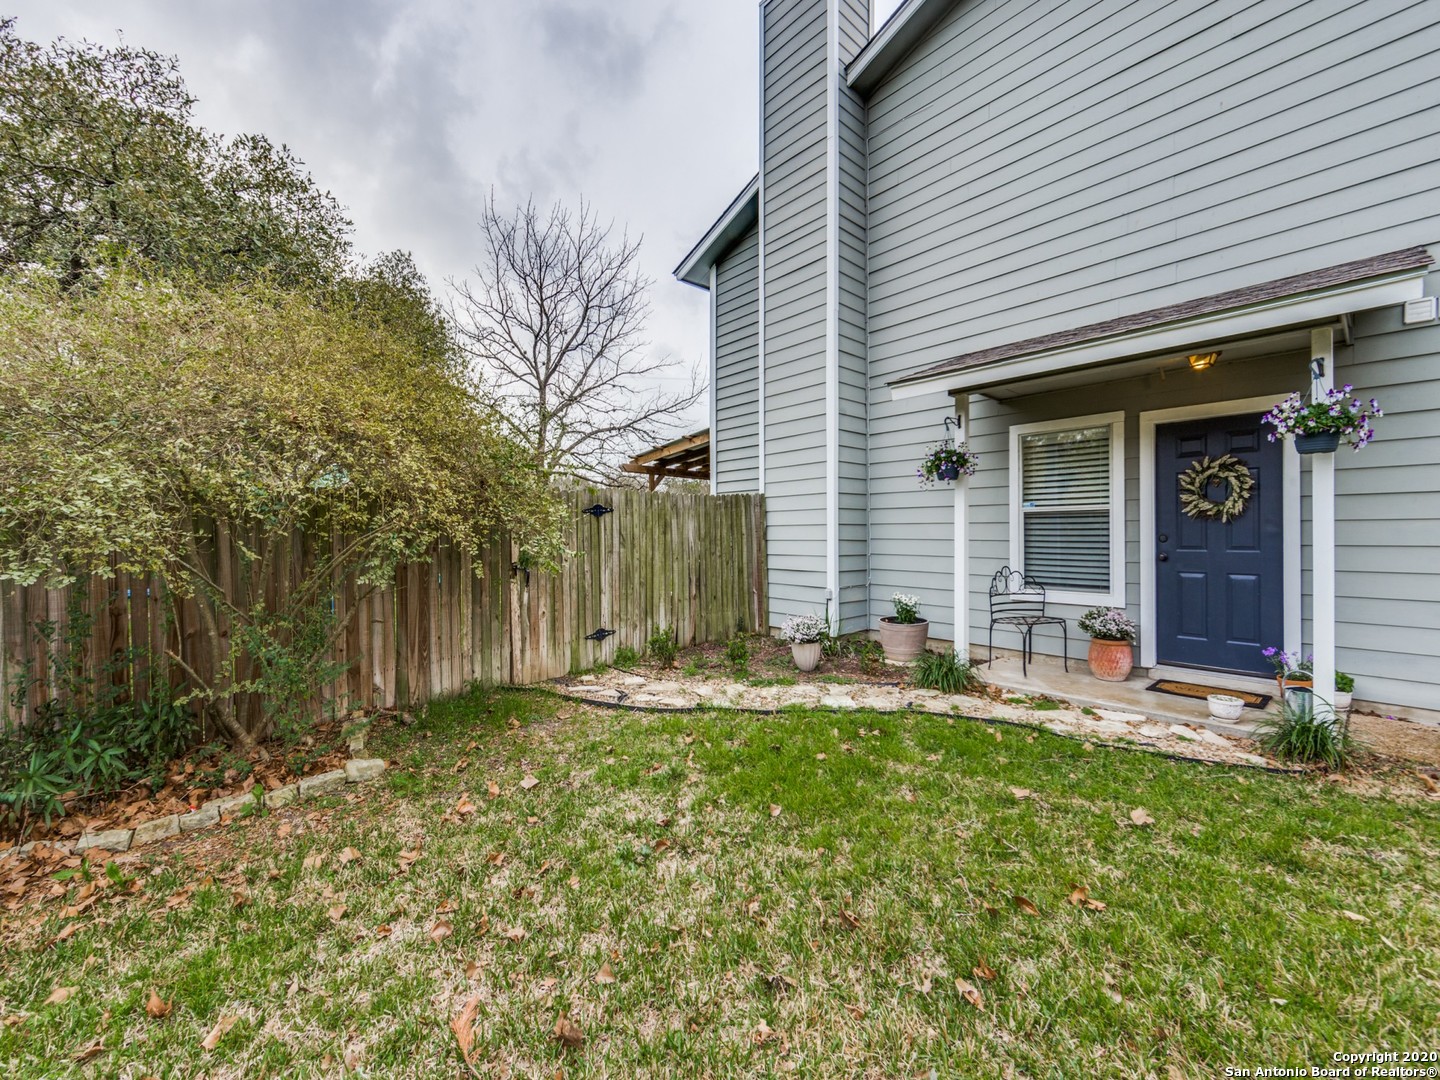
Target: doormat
{"type": "Point", "coordinates": [1201, 691]}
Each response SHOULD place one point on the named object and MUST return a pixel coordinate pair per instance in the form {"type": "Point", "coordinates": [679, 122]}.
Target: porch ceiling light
{"type": "Point", "coordinates": [1201, 361]}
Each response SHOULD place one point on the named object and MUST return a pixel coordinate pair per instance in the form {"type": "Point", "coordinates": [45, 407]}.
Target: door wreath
{"type": "Point", "coordinates": [1195, 488]}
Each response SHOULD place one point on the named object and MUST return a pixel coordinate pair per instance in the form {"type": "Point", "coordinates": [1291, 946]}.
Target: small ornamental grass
{"type": "Point", "coordinates": [907, 608]}
{"type": "Point", "coordinates": [1305, 734]}
{"type": "Point", "coordinates": [947, 672]}
{"type": "Point", "coordinates": [1337, 412]}
{"type": "Point", "coordinates": [803, 630]}
{"type": "Point", "coordinates": [1108, 624]}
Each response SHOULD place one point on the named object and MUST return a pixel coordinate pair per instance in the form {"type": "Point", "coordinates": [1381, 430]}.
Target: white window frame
{"type": "Point", "coordinates": [1115, 596]}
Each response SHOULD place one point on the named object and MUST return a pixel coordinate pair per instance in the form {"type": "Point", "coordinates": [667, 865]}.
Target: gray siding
{"type": "Point", "coordinates": [854, 413]}
{"type": "Point", "coordinates": [793, 217]}
{"type": "Point", "coordinates": [1387, 507]}
{"type": "Point", "coordinates": [1035, 165]}
{"type": "Point", "coordinates": [737, 355]}
{"type": "Point", "coordinates": [797, 172]}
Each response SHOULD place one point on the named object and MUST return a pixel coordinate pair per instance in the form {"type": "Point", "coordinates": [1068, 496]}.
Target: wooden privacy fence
{"type": "Point", "coordinates": [641, 560]}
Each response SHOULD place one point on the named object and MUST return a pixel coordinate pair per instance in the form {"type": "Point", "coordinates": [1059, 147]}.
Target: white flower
{"type": "Point", "coordinates": [803, 629]}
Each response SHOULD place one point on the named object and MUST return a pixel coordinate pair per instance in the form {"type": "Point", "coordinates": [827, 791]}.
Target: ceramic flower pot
{"type": "Point", "coordinates": [1225, 706]}
{"type": "Point", "coordinates": [1320, 442]}
{"type": "Point", "coordinates": [1343, 700]}
{"type": "Point", "coordinates": [806, 654]}
{"type": "Point", "coordinates": [903, 642]}
{"type": "Point", "coordinates": [1111, 661]}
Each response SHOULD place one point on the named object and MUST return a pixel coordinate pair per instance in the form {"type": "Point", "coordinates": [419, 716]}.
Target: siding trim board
{"type": "Point", "coordinates": [832, 317]}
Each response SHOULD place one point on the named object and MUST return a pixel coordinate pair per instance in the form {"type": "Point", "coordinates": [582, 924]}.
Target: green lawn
{"type": "Point", "coordinates": [1260, 920]}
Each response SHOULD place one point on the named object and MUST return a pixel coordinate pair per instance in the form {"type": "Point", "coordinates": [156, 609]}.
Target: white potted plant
{"type": "Point", "coordinates": [806, 635]}
{"type": "Point", "coordinates": [903, 635]}
{"type": "Point", "coordinates": [1225, 706]}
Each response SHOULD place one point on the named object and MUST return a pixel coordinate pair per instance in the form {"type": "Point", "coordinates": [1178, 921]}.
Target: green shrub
{"type": "Point", "coordinates": [945, 672]}
{"type": "Point", "coordinates": [626, 657]}
{"type": "Point", "coordinates": [737, 653]}
{"type": "Point", "coordinates": [1301, 733]}
{"type": "Point", "coordinates": [663, 646]}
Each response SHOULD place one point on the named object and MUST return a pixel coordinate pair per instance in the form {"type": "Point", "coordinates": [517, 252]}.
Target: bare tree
{"type": "Point", "coordinates": [557, 320]}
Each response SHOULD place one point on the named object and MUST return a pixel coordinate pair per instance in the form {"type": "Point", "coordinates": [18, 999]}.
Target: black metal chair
{"type": "Point", "coordinates": [1019, 601]}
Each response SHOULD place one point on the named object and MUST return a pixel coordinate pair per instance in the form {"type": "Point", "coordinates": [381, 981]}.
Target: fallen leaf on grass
{"type": "Point", "coordinates": [1078, 894]}
{"type": "Point", "coordinates": [463, 1025]}
{"type": "Point", "coordinates": [440, 931]}
{"type": "Point", "coordinates": [493, 789]}
{"type": "Point", "coordinates": [224, 1024]}
{"type": "Point", "coordinates": [60, 995]}
{"type": "Point", "coordinates": [384, 930]}
{"type": "Point", "coordinates": [1026, 906]}
{"type": "Point", "coordinates": [495, 858]}
{"type": "Point", "coordinates": [408, 859]}
{"type": "Point", "coordinates": [984, 971]}
{"type": "Point", "coordinates": [1141, 816]}
{"type": "Point", "coordinates": [464, 806]}
{"type": "Point", "coordinates": [337, 913]}
{"type": "Point", "coordinates": [569, 1033]}
{"type": "Point", "coordinates": [313, 861]}
{"type": "Point", "coordinates": [93, 1050]}
{"type": "Point", "coordinates": [1021, 793]}
{"type": "Point", "coordinates": [515, 933]}
{"type": "Point", "coordinates": [856, 1011]}
{"type": "Point", "coordinates": [156, 1007]}
{"type": "Point", "coordinates": [1353, 917]}
{"type": "Point", "coordinates": [764, 1034]}
{"type": "Point", "coordinates": [605, 975]}
{"type": "Point", "coordinates": [349, 855]}
{"type": "Point", "coordinates": [970, 993]}
{"type": "Point", "coordinates": [849, 920]}
{"type": "Point", "coordinates": [529, 782]}
{"type": "Point", "coordinates": [774, 810]}
{"type": "Point", "coordinates": [284, 830]}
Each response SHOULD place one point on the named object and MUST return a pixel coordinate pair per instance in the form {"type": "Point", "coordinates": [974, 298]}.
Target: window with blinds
{"type": "Point", "coordinates": [1065, 508]}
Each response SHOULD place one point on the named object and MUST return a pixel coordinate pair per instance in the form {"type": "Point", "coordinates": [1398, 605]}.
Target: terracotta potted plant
{"type": "Point", "coordinates": [1112, 633]}
{"type": "Point", "coordinates": [1318, 426]}
{"type": "Point", "coordinates": [903, 635]}
{"type": "Point", "coordinates": [1291, 672]}
{"type": "Point", "coordinates": [806, 635]}
{"type": "Point", "coordinates": [1294, 674]}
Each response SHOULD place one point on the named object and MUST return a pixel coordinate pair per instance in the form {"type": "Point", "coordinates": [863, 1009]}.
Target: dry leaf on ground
{"type": "Point", "coordinates": [224, 1024]}
{"type": "Point", "coordinates": [463, 1025]}
{"type": "Point", "coordinates": [983, 970]}
{"type": "Point", "coordinates": [441, 930]}
{"type": "Point", "coordinates": [349, 855]}
{"type": "Point", "coordinates": [605, 975]}
{"type": "Point", "coordinates": [1026, 906]}
{"type": "Point", "coordinates": [60, 995]}
{"type": "Point", "coordinates": [156, 1007]}
{"type": "Point", "coordinates": [1141, 816]}
{"type": "Point", "coordinates": [569, 1033]}
{"type": "Point", "coordinates": [969, 992]}
{"type": "Point", "coordinates": [529, 782]}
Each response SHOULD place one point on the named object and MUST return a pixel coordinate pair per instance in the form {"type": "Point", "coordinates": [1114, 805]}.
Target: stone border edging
{"type": "Point", "coordinates": [910, 709]}
{"type": "Point", "coordinates": [357, 770]}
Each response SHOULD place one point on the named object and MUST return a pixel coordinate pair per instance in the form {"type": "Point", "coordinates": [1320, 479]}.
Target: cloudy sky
{"type": "Point", "coordinates": [410, 113]}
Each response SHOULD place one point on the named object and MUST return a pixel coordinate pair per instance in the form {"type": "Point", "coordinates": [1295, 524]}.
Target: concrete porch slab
{"type": "Point", "coordinates": [1048, 676]}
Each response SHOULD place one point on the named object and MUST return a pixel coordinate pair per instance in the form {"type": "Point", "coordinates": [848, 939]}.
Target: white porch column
{"type": "Point", "coordinates": [962, 539]}
{"type": "Point", "coordinates": [1322, 519]}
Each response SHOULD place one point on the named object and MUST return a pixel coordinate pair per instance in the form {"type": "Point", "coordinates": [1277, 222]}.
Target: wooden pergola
{"type": "Point", "coordinates": [687, 458]}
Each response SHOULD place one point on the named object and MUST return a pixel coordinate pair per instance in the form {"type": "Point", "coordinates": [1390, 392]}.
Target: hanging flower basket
{"type": "Point", "coordinates": [1321, 442]}
{"type": "Point", "coordinates": [1319, 425]}
{"type": "Point", "coordinates": [946, 463]}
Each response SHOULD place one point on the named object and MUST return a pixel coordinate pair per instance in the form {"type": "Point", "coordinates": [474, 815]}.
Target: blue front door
{"type": "Point", "coordinates": [1219, 589]}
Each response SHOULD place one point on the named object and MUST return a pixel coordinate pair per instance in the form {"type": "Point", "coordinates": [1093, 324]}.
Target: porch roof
{"type": "Point", "coordinates": [1302, 299]}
